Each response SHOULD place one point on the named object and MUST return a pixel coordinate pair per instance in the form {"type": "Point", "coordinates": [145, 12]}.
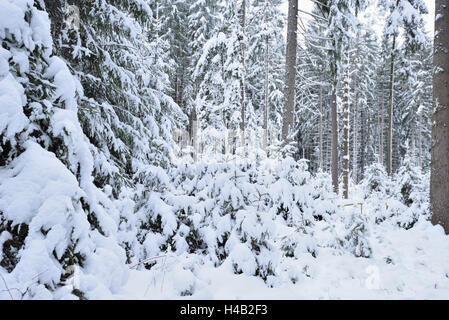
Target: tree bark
{"type": "Point", "coordinates": [356, 137]}
{"type": "Point", "coordinates": [363, 145]}
{"type": "Point", "coordinates": [265, 111]}
{"type": "Point", "coordinates": [334, 164]}
{"type": "Point", "coordinates": [242, 76]}
{"type": "Point", "coordinates": [346, 126]}
{"type": "Point", "coordinates": [193, 126]}
{"type": "Point", "coordinates": [290, 70]}
{"type": "Point", "coordinates": [420, 140]}
{"type": "Point", "coordinates": [320, 165]}
{"type": "Point", "coordinates": [390, 112]}
{"type": "Point", "coordinates": [439, 177]}
{"type": "Point", "coordinates": [382, 128]}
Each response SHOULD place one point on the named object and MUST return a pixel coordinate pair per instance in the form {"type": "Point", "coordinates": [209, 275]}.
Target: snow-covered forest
{"type": "Point", "coordinates": [235, 149]}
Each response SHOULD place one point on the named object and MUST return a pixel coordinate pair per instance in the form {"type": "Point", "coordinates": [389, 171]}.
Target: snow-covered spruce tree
{"type": "Point", "coordinates": [376, 180]}
{"type": "Point", "coordinates": [312, 94]}
{"type": "Point", "coordinates": [266, 46]}
{"type": "Point", "coordinates": [121, 60]}
{"type": "Point", "coordinates": [223, 213]}
{"type": "Point", "coordinates": [220, 71]}
{"type": "Point", "coordinates": [404, 18]}
{"type": "Point", "coordinates": [289, 192]}
{"type": "Point", "coordinates": [339, 20]}
{"type": "Point", "coordinates": [412, 189]}
{"type": "Point", "coordinates": [356, 237]}
{"type": "Point", "coordinates": [241, 222]}
{"type": "Point", "coordinates": [118, 55]}
{"type": "Point", "coordinates": [201, 20]}
{"type": "Point", "coordinates": [363, 59]}
{"type": "Point", "coordinates": [52, 216]}
{"type": "Point", "coordinates": [209, 102]}
{"type": "Point", "coordinates": [174, 29]}
{"type": "Point", "coordinates": [414, 102]}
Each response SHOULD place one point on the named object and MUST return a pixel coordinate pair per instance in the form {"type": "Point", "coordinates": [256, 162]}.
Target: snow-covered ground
{"type": "Point", "coordinates": [419, 271]}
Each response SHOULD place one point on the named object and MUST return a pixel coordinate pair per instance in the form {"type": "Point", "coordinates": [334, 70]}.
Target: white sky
{"type": "Point", "coordinates": [307, 5]}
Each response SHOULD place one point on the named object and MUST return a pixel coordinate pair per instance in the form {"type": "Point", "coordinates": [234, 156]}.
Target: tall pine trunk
{"type": "Point", "coordinates": [439, 178]}
{"type": "Point", "coordinates": [320, 165]}
{"type": "Point", "coordinates": [363, 145]}
{"type": "Point", "coordinates": [265, 111]}
{"type": "Point", "coordinates": [242, 76]}
{"type": "Point", "coordinates": [356, 138]}
{"type": "Point", "coordinates": [382, 129]}
{"type": "Point", "coordinates": [334, 161]}
{"type": "Point", "coordinates": [290, 70]}
{"type": "Point", "coordinates": [346, 125]}
{"type": "Point", "coordinates": [420, 140]}
{"type": "Point", "coordinates": [390, 111]}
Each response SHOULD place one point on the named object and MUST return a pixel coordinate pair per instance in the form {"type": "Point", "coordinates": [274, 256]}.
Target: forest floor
{"type": "Point", "coordinates": [404, 264]}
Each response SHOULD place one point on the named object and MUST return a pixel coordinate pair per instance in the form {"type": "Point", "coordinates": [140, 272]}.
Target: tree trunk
{"type": "Point", "coordinates": [320, 165]}
{"type": "Point", "coordinates": [420, 140]}
{"type": "Point", "coordinates": [193, 126]}
{"type": "Point", "coordinates": [390, 112]}
{"type": "Point", "coordinates": [181, 86]}
{"type": "Point", "coordinates": [413, 142]}
{"type": "Point", "coordinates": [356, 102]}
{"type": "Point", "coordinates": [439, 177]}
{"type": "Point", "coordinates": [346, 126]}
{"type": "Point", "coordinates": [265, 111]}
{"type": "Point", "coordinates": [356, 138]}
{"type": "Point", "coordinates": [363, 144]}
{"type": "Point", "coordinates": [242, 76]}
{"type": "Point", "coordinates": [290, 70]}
{"type": "Point", "coordinates": [382, 128]}
{"type": "Point", "coordinates": [334, 165]}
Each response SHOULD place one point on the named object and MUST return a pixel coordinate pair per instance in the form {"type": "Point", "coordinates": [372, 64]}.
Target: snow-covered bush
{"type": "Point", "coordinates": [225, 215]}
{"type": "Point", "coordinates": [411, 189]}
{"type": "Point", "coordinates": [356, 238]}
{"type": "Point", "coordinates": [376, 180]}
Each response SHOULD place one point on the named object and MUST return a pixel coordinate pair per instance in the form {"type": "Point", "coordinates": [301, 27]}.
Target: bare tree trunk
{"type": "Point", "coordinates": [242, 77]}
{"type": "Point", "coordinates": [439, 177]}
{"type": "Point", "coordinates": [290, 70]}
{"type": "Point", "coordinates": [181, 86]}
{"type": "Point", "coordinates": [334, 164]}
{"type": "Point", "coordinates": [420, 140]}
{"type": "Point", "coordinates": [320, 165]}
{"type": "Point", "coordinates": [382, 128]}
{"type": "Point", "coordinates": [265, 111]}
{"type": "Point", "coordinates": [356, 103]}
{"type": "Point", "coordinates": [193, 126]}
{"type": "Point", "coordinates": [390, 112]}
{"type": "Point", "coordinates": [413, 146]}
{"type": "Point", "coordinates": [346, 126]}
{"type": "Point", "coordinates": [377, 131]}
{"type": "Point", "coordinates": [363, 144]}
{"type": "Point", "coordinates": [356, 142]}
{"type": "Point", "coordinates": [326, 148]}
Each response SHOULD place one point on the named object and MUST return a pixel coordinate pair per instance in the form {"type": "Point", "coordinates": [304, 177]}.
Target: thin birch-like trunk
{"type": "Point", "coordinates": [320, 165]}
{"type": "Point", "coordinates": [346, 126]}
